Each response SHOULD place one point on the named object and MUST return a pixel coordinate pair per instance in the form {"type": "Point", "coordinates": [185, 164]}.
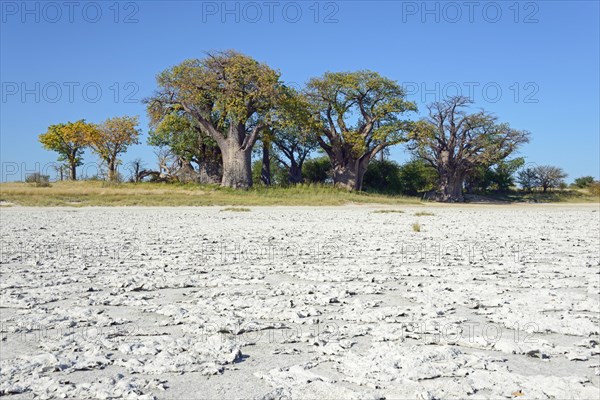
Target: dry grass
{"type": "Point", "coordinates": [236, 209]}
{"type": "Point", "coordinates": [424, 214]}
{"type": "Point", "coordinates": [416, 227]}
{"type": "Point", "coordinates": [387, 211]}
{"type": "Point", "coordinates": [97, 193]}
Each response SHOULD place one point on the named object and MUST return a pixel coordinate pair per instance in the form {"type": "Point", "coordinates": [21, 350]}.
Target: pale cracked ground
{"type": "Point", "coordinates": [302, 303]}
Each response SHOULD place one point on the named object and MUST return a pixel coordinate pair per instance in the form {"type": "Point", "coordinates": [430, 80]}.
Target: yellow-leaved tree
{"type": "Point", "coordinates": [69, 141]}
{"type": "Point", "coordinates": [112, 138]}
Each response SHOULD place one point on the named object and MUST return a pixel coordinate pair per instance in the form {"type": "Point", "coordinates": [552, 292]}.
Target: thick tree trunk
{"type": "Point", "coordinates": [237, 171]}
{"type": "Point", "coordinates": [210, 172]}
{"type": "Point", "coordinates": [349, 175]}
{"type": "Point", "coordinates": [210, 168]}
{"type": "Point", "coordinates": [451, 187]}
{"type": "Point", "coordinates": [265, 172]}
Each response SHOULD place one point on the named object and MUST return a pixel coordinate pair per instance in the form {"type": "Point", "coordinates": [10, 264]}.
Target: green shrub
{"type": "Point", "coordinates": [382, 176]}
{"type": "Point", "coordinates": [583, 182]}
{"type": "Point", "coordinates": [317, 170]}
{"type": "Point", "coordinates": [594, 188]}
{"type": "Point", "coordinates": [416, 176]}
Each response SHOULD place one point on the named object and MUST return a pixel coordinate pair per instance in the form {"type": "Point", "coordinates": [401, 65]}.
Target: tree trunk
{"type": "Point", "coordinates": [73, 172]}
{"type": "Point", "coordinates": [265, 172]}
{"type": "Point", "coordinates": [295, 173]}
{"type": "Point", "coordinates": [350, 174]}
{"type": "Point", "coordinates": [210, 172]}
{"type": "Point", "coordinates": [451, 185]}
{"type": "Point", "coordinates": [237, 172]}
{"type": "Point", "coordinates": [112, 173]}
{"type": "Point", "coordinates": [210, 165]}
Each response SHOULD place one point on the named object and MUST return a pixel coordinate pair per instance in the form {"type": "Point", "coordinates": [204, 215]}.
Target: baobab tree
{"type": "Point", "coordinates": [455, 143]}
{"type": "Point", "coordinates": [360, 115]}
{"type": "Point", "coordinates": [230, 97]}
{"type": "Point", "coordinates": [69, 141]}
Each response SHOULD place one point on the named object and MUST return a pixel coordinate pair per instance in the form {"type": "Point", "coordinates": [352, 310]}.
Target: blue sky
{"type": "Point", "coordinates": [535, 64]}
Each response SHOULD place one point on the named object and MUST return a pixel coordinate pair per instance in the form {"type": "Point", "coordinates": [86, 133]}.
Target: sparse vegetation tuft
{"type": "Point", "coordinates": [424, 214]}
{"type": "Point", "coordinates": [38, 179]}
{"type": "Point", "coordinates": [236, 209]}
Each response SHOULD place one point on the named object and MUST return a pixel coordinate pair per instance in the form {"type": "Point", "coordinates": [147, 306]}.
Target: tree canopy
{"type": "Point", "coordinates": [230, 96]}
{"type": "Point", "coordinates": [360, 114]}
{"type": "Point", "coordinates": [69, 141]}
{"type": "Point", "coordinates": [456, 142]}
{"type": "Point", "coordinates": [112, 138]}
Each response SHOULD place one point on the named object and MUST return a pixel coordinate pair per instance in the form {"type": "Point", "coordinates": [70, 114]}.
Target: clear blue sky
{"type": "Point", "coordinates": [542, 55]}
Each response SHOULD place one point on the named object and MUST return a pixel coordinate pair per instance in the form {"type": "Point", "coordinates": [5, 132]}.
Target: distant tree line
{"type": "Point", "coordinates": [211, 117]}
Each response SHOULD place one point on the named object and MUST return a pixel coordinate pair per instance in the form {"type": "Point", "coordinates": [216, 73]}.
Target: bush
{"type": "Point", "coordinates": [594, 188]}
{"type": "Point", "coordinates": [38, 179]}
{"type": "Point", "coordinates": [416, 176]}
{"type": "Point", "coordinates": [583, 182]}
{"type": "Point", "coordinates": [317, 170]}
{"type": "Point", "coordinates": [493, 178]}
{"type": "Point", "coordinates": [382, 176]}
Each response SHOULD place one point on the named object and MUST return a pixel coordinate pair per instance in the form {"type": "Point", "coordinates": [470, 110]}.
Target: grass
{"type": "Point", "coordinates": [552, 196]}
{"type": "Point", "coordinates": [387, 211]}
{"type": "Point", "coordinates": [98, 193]}
{"type": "Point", "coordinates": [416, 227]}
{"type": "Point", "coordinates": [236, 209]}
{"type": "Point", "coordinates": [424, 214]}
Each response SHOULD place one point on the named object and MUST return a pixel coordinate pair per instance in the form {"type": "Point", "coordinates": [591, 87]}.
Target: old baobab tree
{"type": "Point", "coordinates": [230, 97]}
{"type": "Point", "coordinates": [361, 115]}
{"type": "Point", "coordinates": [455, 143]}
{"type": "Point", "coordinates": [69, 141]}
